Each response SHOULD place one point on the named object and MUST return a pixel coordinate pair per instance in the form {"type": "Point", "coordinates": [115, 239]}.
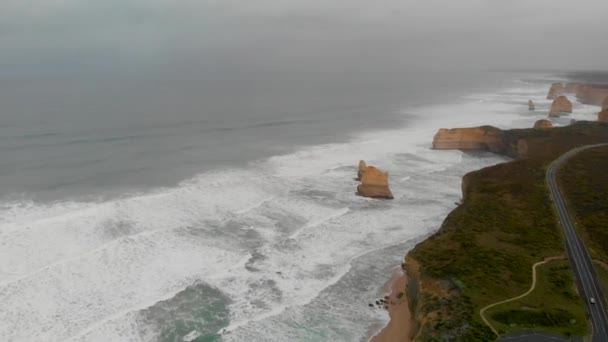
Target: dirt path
{"type": "Point", "coordinates": [483, 310]}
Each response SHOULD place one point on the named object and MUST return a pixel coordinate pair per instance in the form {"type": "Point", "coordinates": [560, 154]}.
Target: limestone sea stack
{"type": "Point", "coordinates": [362, 167]}
{"type": "Point", "coordinates": [560, 105]}
{"type": "Point", "coordinates": [603, 116]}
{"type": "Point", "coordinates": [531, 105]}
{"type": "Point", "coordinates": [556, 90]}
{"type": "Point", "coordinates": [374, 182]}
{"type": "Point", "coordinates": [543, 123]}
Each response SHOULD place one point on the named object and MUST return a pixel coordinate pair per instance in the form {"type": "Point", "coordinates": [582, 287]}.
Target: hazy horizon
{"type": "Point", "coordinates": [189, 38]}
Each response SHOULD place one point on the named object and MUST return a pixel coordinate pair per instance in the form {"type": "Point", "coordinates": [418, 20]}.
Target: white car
{"type": "Point", "coordinates": [592, 300]}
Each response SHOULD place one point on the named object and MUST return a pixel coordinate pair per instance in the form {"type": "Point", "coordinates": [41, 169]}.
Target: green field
{"type": "Point", "coordinates": [584, 183]}
{"type": "Point", "coordinates": [563, 314]}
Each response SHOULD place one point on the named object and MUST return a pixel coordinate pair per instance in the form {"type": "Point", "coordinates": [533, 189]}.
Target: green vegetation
{"type": "Point", "coordinates": [602, 273]}
{"type": "Point", "coordinates": [563, 314]}
{"type": "Point", "coordinates": [485, 249]}
{"type": "Point", "coordinates": [584, 183]}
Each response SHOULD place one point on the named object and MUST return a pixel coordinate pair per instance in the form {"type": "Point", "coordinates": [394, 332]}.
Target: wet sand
{"type": "Point", "coordinates": [399, 328]}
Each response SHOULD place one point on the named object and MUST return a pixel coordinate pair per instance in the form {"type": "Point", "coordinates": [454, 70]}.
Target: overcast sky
{"type": "Point", "coordinates": [105, 36]}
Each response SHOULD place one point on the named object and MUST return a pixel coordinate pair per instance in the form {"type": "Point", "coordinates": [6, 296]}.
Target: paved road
{"type": "Point", "coordinates": [582, 265]}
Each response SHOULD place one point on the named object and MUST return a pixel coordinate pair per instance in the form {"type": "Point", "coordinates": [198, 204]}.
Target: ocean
{"type": "Point", "coordinates": [225, 209]}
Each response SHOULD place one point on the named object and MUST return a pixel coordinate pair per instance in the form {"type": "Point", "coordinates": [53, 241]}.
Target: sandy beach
{"type": "Point", "coordinates": [399, 328]}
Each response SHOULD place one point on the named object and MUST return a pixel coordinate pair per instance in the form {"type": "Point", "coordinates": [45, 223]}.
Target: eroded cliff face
{"type": "Point", "coordinates": [572, 87]}
{"type": "Point", "coordinates": [486, 138]}
{"type": "Point", "coordinates": [374, 182]}
{"type": "Point", "coordinates": [543, 123]}
{"type": "Point", "coordinates": [422, 292]}
{"type": "Point", "coordinates": [592, 94]}
{"type": "Point", "coordinates": [483, 138]}
{"type": "Point", "coordinates": [603, 116]}
{"type": "Point", "coordinates": [560, 105]}
{"type": "Point", "coordinates": [556, 90]}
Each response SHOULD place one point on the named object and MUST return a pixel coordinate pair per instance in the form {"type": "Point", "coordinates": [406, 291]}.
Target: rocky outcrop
{"type": "Point", "coordinates": [560, 105]}
{"type": "Point", "coordinates": [556, 90]}
{"type": "Point", "coordinates": [374, 182]}
{"type": "Point", "coordinates": [487, 138]}
{"type": "Point", "coordinates": [572, 88]}
{"type": "Point", "coordinates": [603, 116]}
{"type": "Point", "coordinates": [605, 103]}
{"type": "Point", "coordinates": [592, 94]}
{"type": "Point", "coordinates": [543, 123]}
{"type": "Point", "coordinates": [362, 167]}
{"type": "Point", "coordinates": [531, 105]}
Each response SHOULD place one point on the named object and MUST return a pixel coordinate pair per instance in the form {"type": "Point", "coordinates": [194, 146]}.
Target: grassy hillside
{"type": "Point", "coordinates": [485, 249]}
{"type": "Point", "coordinates": [584, 183]}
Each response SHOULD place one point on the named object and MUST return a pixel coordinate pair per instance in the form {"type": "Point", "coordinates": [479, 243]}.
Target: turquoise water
{"type": "Point", "coordinates": [199, 308]}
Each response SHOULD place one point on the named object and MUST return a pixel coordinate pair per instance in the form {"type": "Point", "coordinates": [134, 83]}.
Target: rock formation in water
{"type": "Point", "coordinates": [374, 182]}
{"type": "Point", "coordinates": [543, 123]}
{"type": "Point", "coordinates": [531, 105]}
{"type": "Point", "coordinates": [560, 105]}
{"type": "Point", "coordinates": [603, 116]}
{"type": "Point", "coordinates": [362, 167]}
{"type": "Point", "coordinates": [556, 90]}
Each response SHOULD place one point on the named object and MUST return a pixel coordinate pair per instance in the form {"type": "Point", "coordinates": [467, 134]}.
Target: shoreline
{"type": "Point", "coordinates": [399, 326]}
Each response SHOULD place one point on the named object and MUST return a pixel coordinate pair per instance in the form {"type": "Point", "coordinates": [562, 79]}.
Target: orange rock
{"type": "Point", "coordinates": [560, 105]}
{"type": "Point", "coordinates": [556, 90]}
{"type": "Point", "coordinates": [374, 183]}
{"type": "Point", "coordinates": [592, 94]}
{"type": "Point", "coordinates": [603, 116]}
{"type": "Point", "coordinates": [543, 123]}
{"type": "Point", "coordinates": [531, 105]}
{"type": "Point", "coordinates": [362, 167]}
{"type": "Point", "coordinates": [485, 138]}
{"type": "Point", "coordinates": [572, 87]}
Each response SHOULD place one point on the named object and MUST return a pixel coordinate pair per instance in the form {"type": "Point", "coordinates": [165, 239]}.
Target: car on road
{"type": "Point", "coordinates": [592, 300]}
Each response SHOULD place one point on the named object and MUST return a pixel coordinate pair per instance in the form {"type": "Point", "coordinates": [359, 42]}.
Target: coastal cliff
{"type": "Point", "coordinates": [592, 94]}
{"type": "Point", "coordinates": [503, 225]}
{"type": "Point", "coordinates": [603, 116]}
{"type": "Point", "coordinates": [482, 138]}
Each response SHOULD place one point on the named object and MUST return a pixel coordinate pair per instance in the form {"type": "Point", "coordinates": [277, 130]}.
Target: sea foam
{"type": "Point", "coordinates": [276, 238]}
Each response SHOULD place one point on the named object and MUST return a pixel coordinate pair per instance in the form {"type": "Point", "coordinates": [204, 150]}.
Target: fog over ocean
{"type": "Point", "coordinates": [185, 171]}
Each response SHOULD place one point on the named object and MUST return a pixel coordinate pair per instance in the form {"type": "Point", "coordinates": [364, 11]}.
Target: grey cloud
{"type": "Point", "coordinates": [142, 35]}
